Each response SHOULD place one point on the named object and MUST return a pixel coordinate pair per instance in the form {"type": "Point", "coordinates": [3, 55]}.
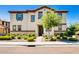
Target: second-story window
{"type": "Point", "coordinates": [32, 18]}
{"type": "Point", "coordinates": [60, 14]}
{"type": "Point", "coordinates": [6, 23]}
{"type": "Point", "coordinates": [19, 16]}
{"type": "Point", "coordinates": [2, 22]}
{"type": "Point", "coordinates": [40, 14]}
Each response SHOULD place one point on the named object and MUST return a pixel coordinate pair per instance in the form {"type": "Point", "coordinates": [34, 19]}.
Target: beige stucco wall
{"type": "Point", "coordinates": [28, 25]}
{"type": "Point", "coordinates": [24, 22]}
{"type": "Point", "coordinates": [0, 22]}
{"type": "Point", "coordinates": [64, 15]}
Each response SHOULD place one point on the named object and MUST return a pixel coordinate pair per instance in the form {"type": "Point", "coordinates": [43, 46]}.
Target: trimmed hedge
{"type": "Point", "coordinates": [25, 37]}
{"type": "Point", "coordinates": [31, 39]}
{"type": "Point", "coordinates": [5, 37]}
{"type": "Point", "coordinates": [18, 37]}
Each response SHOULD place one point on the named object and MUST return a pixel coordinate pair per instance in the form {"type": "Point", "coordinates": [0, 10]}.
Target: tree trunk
{"type": "Point", "coordinates": [52, 31]}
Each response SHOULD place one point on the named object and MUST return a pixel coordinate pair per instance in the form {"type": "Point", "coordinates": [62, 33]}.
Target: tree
{"type": "Point", "coordinates": [50, 20]}
{"type": "Point", "coordinates": [72, 29]}
{"type": "Point", "coordinates": [76, 26]}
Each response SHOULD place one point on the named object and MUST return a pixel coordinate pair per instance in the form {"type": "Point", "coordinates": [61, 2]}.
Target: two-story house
{"type": "Point", "coordinates": [29, 21]}
{"type": "Point", "coordinates": [4, 27]}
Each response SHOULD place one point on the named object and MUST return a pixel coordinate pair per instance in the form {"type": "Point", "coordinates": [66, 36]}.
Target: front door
{"type": "Point", "coordinates": [40, 30]}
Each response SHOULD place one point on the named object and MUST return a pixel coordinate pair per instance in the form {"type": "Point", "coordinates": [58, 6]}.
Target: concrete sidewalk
{"type": "Point", "coordinates": [39, 50]}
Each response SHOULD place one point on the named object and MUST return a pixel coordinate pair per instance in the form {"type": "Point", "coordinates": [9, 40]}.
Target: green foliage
{"type": "Point", "coordinates": [30, 39]}
{"type": "Point", "coordinates": [76, 26]}
{"type": "Point", "coordinates": [71, 30]}
{"type": "Point", "coordinates": [45, 37]}
{"type": "Point", "coordinates": [49, 38]}
{"type": "Point", "coordinates": [72, 39]}
{"type": "Point", "coordinates": [12, 35]}
{"type": "Point", "coordinates": [50, 20]}
{"type": "Point", "coordinates": [53, 38]}
{"type": "Point", "coordinates": [58, 37]}
{"type": "Point", "coordinates": [63, 38]}
{"type": "Point", "coordinates": [5, 37]}
{"type": "Point", "coordinates": [25, 37]}
{"type": "Point", "coordinates": [32, 34]}
{"type": "Point", "coordinates": [18, 37]}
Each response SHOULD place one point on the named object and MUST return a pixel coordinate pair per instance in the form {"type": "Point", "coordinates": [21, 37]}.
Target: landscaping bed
{"type": "Point", "coordinates": [25, 37]}
{"type": "Point", "coordinates": [5, 38]}
{"type": "Point", "coordinates": [60, 37]}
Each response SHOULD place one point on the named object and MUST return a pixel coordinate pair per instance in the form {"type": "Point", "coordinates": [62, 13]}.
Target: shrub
{"type": "Point", "coordinates": [12, 35]}
{"type": "Point", "coordinates": [32, 34]}
{"type": "Point", "coordinates": [5, 37]}
{"type": "Point", "coordinates": [58, 36]}
{"type": "Point", "coordinates": [45, 37]}
{"type": "Point", "coordinates": [72, 39]}
{"type": "Point", "coordinates": [18, 37]}
{"type": "Point", "coordinates": [61, 34]}
{"type": "Point", "coordinates": [64, 38]}
{"type": "Point", "coordinates": [25, 37]}
{"type": "Point", "coordinates": [29, 35]}
{"type": "Point", "coordinates": [53, 38]}
{"type": "Point", "coordinates": [30, 39]}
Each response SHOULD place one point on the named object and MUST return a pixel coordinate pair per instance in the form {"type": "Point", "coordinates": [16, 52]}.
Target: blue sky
{"type": "Point", "coordinates": [72, 15]}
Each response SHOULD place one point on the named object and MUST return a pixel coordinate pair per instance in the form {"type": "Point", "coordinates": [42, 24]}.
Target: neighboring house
{"type": "Point", "coordinates": [29, 21]}
{"type": "Point", "coordinates": [4, 27]}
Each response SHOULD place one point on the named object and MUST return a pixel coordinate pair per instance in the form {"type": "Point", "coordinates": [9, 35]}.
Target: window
{"type": "Point", "coordinates": [19, 27]}
{"type": "Point", "coordinates": [2, 22]}
{"type": "Point", "coordinates": [60, 14]}
{"type": "Point", "coordinates": [14, 27]}
{"type": "Point", "coordinates": [19, 16]}
{"type": "Point", "coordinates": [32, 18]}
{"type": "Point", "coordinates": [6, 23]}
{"type": "Point", "coordinates": [60, 27]}
{"type": "Point", "coordinates": [40, 15]}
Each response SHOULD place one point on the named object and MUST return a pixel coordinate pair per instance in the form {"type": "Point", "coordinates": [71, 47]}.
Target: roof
{"type": "Point", "coordinates": [26, 11]}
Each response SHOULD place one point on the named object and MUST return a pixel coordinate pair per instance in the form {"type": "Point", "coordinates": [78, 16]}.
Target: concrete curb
{"type": "Point", "coordinates": [39, 43]}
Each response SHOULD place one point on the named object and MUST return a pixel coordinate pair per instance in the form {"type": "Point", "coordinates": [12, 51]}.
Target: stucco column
{"type": "Point", "coordinates": [36, 30]}
{"type": "Point", "coordinates": [44, 30]}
